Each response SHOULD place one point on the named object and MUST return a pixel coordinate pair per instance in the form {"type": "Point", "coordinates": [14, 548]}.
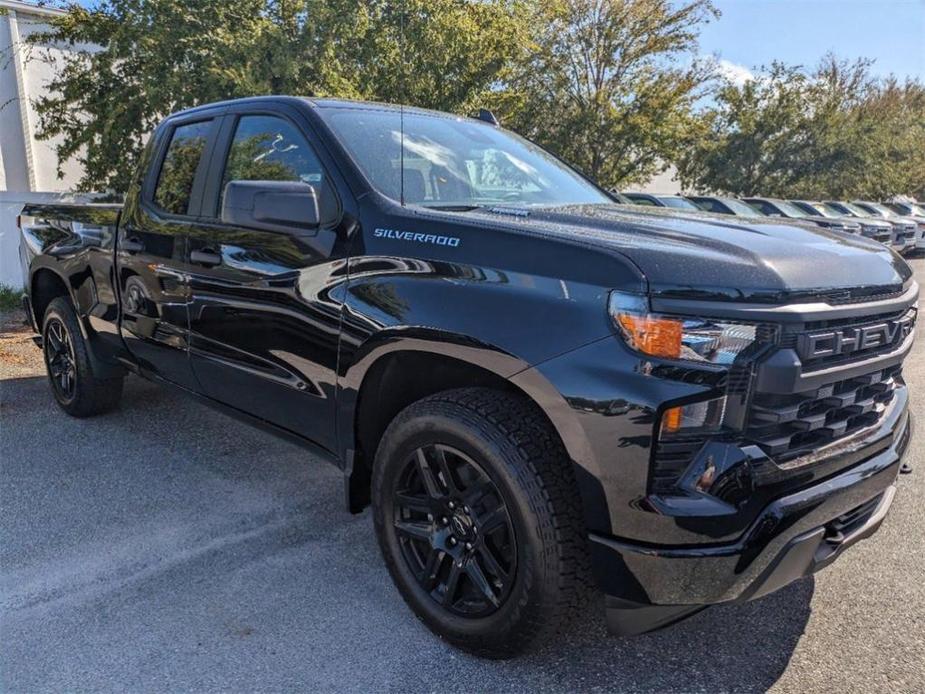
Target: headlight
{"type": "Point", "coordinates": [704, 340]}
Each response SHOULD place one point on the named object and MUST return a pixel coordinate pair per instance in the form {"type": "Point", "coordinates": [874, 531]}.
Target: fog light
{"type": "Point", "coordinates": [706, 415]}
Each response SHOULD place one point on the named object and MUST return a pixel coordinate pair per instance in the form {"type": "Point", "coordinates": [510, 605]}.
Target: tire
{"type": "Point", "coordinates": [498, 449]}
{"type": "Point", "coordinates": [67, 361]}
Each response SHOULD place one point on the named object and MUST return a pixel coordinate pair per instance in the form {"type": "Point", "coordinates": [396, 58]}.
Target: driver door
{"type": "Point", "coordinates": [264, 323]}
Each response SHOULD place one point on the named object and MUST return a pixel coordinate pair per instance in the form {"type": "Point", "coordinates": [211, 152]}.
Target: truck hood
{"type": "Point", "coordinates": [722, 257]}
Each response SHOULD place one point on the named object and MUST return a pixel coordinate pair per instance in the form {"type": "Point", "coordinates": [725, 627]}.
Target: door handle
{"type": "Point", "coordinates": [206, 257]}
{"type": "Point", "coordinates": [132, 245]}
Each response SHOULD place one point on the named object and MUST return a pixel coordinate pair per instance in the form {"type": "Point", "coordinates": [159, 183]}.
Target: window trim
{"type": "Point", "coordinates": [152, 178]}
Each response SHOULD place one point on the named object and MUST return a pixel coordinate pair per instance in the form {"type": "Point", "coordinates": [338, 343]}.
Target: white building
{"type": "Point", "coordinates": [28, 166]}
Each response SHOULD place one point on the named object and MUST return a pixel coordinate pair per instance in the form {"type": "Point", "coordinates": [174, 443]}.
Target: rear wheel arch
{"type": "Point", "coordinates": [45, 286]}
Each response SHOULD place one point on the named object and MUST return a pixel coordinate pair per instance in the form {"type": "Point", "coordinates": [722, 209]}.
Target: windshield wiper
{"type": "Point", "coordinates": [453, 208]}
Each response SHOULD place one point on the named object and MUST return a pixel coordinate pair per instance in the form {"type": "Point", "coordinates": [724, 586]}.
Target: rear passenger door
{"type": "Point", "coordinates": [152, 247]}
{"type": "Point", "coordinates": [265, 305]}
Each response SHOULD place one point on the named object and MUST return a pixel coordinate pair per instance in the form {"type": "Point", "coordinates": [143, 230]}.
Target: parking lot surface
{"type": "Point", "coordinates": [166, 547]}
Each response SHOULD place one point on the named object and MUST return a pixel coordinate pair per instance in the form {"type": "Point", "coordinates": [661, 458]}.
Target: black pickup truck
{"type": "Point", "coordinates": [532, 386]}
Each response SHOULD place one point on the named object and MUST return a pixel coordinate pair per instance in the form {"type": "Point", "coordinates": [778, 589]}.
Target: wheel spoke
{"type": "Point", "coordinates": [415, 529]}
{"type": "Point", "coordinates": [452, 584]}
{"type": "Point", "coordinates": [445, 470]}
{"type": "Point", "coordinates": [53, 337]}
{"type": "Point", "coordinates": [492, 520]}
{"type": "Point", "coordinates": [427, 475]}
{"type": "Point", "coordinates": [491, 564]}
{"type": "Point", "coordinates": [476, 492]}
{"type": "Point", "coordinates": [414, 502]}
{"type": "Point", "coordinates": [431, 572]}
{"type": "Point", "coordinates": [477, 576]}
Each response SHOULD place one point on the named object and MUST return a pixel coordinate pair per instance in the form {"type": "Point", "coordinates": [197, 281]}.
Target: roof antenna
{"type": "Point", "coordinates": [487, 116]}
{"type": "Point", "coordinates": [401, 105]}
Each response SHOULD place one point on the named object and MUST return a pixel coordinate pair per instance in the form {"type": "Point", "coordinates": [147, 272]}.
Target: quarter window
{"type": "Point", "coordinates": [178, 170]}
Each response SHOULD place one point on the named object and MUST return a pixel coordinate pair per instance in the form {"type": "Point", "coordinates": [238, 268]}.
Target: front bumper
{"type": "Point", "coordinates": [796, 535]}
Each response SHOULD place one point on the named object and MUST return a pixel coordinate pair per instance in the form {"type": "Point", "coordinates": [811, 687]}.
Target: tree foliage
{"type": "Point", "coordinates": [833, 132]}
{"type": "Point", "coordinates": [609, 84]}
{"type": "Point", "coordinates": [135, 61]}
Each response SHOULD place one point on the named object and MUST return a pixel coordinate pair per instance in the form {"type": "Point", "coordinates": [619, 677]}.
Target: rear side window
{"type": "Point", "coordinates": [178, 170]}
{"type": "Point", "coordinates": [268, 148]}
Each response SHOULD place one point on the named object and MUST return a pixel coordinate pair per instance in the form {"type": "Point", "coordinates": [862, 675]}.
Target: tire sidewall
{"type": "Point", "coordinates": [495, 455]}
{"type": "Point", "coordinates": [55, 313]}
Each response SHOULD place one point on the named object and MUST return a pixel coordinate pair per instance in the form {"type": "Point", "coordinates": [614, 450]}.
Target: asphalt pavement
{"type": "Point", "coordinates": [167, 548]}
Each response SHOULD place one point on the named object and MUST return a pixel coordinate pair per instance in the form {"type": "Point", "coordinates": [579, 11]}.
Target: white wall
{"type": "Point", "coordinates": [28, 166]}
{"type": "Point", "coordinates": [665, 183]}
{"type": "Point", "coordinates": [11, 203]}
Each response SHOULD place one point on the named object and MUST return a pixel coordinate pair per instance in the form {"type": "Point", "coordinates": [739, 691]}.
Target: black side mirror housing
{"type": "Point", "coordinates": [286, 207]}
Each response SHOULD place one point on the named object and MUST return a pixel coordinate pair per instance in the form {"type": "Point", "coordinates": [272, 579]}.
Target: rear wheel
{"type": "Point", "coordinates": [77, 391]}
{"type": "Point", "coordinates": [477, 516]}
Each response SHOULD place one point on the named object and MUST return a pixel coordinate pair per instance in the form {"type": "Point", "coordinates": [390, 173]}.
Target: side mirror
{"type": "Point", "coordinates": [287, 207]}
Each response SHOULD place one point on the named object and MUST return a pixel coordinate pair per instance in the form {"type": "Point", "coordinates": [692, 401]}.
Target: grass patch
{"type": "Point", "coordinates": [10, 298]}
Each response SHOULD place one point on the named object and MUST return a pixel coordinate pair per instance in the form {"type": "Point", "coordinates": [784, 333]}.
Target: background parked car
{"type": "Point", "coordinates": [901, 230]}
{"type": "Point", "coordinates": [885, 212]}
{"type": "Point", "coordinates": [734, 206]}
{"type": "Point", "coordinates": [730, 206]}
{"type": "Point", "coordinates": [905, 209]}
{"type": "Point", "coordinates": [773, 207]}
{"type": "Point", "coordinates": [675, 201]}
{"type": "Point", "coordinates": [876, 229]}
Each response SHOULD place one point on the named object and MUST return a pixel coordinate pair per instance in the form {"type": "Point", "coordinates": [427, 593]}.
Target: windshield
{"type": "Point", "coordinates": [854, 209]}
{"type": "Point", "coordinates": [789, 209]}
{"type": "Point", "coordinates": [883, 209]}
{"type": "Point", "coordinates": [740, 208]}
{"type": "Point", "coordinates": [679, 203]}
{"type": "Point", "coordinates": [454, 162]}
{"type": "Point", "coordinates": [816, 208]}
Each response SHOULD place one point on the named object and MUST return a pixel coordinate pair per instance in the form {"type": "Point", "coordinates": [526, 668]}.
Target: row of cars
{"type": "Point", "coordinates": [900, 225]}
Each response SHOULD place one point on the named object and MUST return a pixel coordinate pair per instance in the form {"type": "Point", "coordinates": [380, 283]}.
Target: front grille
{"type": "Point", "coordinates": [787, 426]}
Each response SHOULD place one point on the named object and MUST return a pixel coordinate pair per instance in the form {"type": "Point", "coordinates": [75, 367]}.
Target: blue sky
{"type": "Point", "coordinates": [755, 32]}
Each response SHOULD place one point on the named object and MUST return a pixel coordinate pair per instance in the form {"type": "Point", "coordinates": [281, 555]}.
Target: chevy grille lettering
{"type": "Point", "coordinates": [827, 343]}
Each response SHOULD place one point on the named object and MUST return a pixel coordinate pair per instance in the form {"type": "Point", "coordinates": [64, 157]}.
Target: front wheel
{"type": "Point", "coordinates": [476, 512]}
{"type": "Point", "coordinates": [77, 391]}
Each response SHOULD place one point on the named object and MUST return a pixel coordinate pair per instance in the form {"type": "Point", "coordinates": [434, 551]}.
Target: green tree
{"type": "Point", "coordinates": [609, 85]}
{"type": "Point", "coordinates": [136, 61]}
{"type": "Point", "coordinates": [835, 132]}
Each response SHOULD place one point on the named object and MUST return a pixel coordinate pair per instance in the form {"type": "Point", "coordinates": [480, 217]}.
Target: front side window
{"type": "Point", "coordinates": [441, 161]}
{"type": "Point", "coordinates": [178, 170]}
{"type": "Point", "coordinates": [269, 148]}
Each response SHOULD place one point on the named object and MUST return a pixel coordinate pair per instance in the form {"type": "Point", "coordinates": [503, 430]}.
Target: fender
{"type": "Point", "coordinates": [80, 256]}
{"type": "Point", "coordinates": [531, 382]}
{"type": "Point", "coordinates": [411, 339]}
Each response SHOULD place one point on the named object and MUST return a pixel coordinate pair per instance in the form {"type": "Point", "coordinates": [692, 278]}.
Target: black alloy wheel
{"type": "Point", "coordinates": [60, 358]}
{"type": "Point", "coordinates": [77, 388]}
{"type": "Point", "coordinates": [455, 531]}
